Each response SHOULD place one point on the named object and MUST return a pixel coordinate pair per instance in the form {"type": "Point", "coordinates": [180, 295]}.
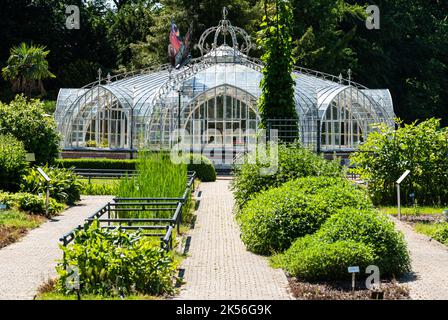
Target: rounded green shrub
{"type": "Point", "coordinates": [373, 229]}
{"type": "Point", "coordinates": [273, 219]}
{"type": "Point", "coordinates": [312, 259]}
{"type": "Point", "coordinates": [12, 162]}
{"type": "Point", "coordinates": [205, 171]}
{"type": "Point", "coordinates": [294, 162]}
{"type": "Point", "coordinates": [27, 121]}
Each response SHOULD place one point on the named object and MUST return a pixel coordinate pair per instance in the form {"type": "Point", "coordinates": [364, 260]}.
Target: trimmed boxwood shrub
{"type": "Point", "coordinates": [205, 170]}
{"type": "Point", "coordinates": [97, 163]}
{"type": "Point", "coordinates": [294, 162]}
{"type": "Point", "coordinates": [321, 256]}
{"type": "Point", "coordinates": [312, 259]}
{"type": "Point", "coordinates": [30, 203]}
{"type": "Point", "coordinates": [203, 167]}
{"type": "Point", "coordinates": [12, 162]}
{"type": "Point", "coordinates": [373, 229]}
{"type": "Point", "coordinates": [273, 219]}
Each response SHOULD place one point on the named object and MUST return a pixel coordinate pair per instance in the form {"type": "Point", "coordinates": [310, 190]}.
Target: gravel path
{"type": "Point", "coordinates": [429, 279]}
{"type": "Point", "coordinates": [218, 265]}
{"type": "Point", "coordinates": [26, 264]}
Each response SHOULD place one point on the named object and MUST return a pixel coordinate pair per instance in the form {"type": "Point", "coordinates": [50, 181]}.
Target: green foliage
{"type": "Point", "coordinates": [26, 67]}
{"type": "Point", "coordinates": [277, 85]}
{"type": "Point", "coordinates": [441, 234]}
{"type": "Point", "coordinates": [27, 121]}
{"type": "Point", "coordinates": [421, 148]}
{"type": "Point", "coordinates": [30, 203]}
{"type": "Point", "coordinates": [12, 162]}
{"type": "Point", "coordinates": [97, 163]}
{"type": "Point", "coordinates": [273, 219]}
{"type": "Point", "coordinates": [203, 167]}
{"type": "Point", "coordinates": [373, 229]}
{"type": "Point", "coordinates": [99, 187]}
{"type": "Point", "coordinates": [114, 263]}
{"type": "Point", "coordinates": [156, 176]}
{"type": "Point", "coordinates": [313, 260]}
{"type": "Point", "coordinates": [64, 186]}
{"type": "Point", "coordinates": [294, 161]}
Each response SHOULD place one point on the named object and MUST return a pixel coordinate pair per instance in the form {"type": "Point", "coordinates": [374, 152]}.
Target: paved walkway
{"type": "Point", "coordinates": [218, 265]}
{"type": "Point", "coordinates": [429, 279]}
{"type": "Point", "coordinates": [26, 264]}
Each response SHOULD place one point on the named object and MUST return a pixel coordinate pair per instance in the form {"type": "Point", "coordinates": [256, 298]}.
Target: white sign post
{"type": "Point", "coordinates": [353, 270]}
{"type": "Point", "coordinates": [47, 180]}
{"type": "Point", "coordinates": [403, 176]}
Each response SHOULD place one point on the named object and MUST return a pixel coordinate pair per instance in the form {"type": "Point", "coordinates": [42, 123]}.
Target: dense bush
{"type": "Point", "coordinates": [312, 259]}
{"type": "Point", "coordinates": [373, 229]}
{"type": "Point", "coordinates": [12, 162]}
{"type": "Point", "coordinates": [294, 161]}
{"type": "Point", "coordinates": [421, 148]}
{"type": "Point", "coordinates": [441, 234]}
{"type": "Point", "coordinates": [28, 122]}
{"type": "Point", "coordinates": [65, 185]}
{"type": "Point", "coordinates": [386, 247]}
{"type": "Point", "coordinates": [203, 167]}
{"type": "Point", "coordinates": [30, 203]}
{"type": "Point", "coordinates": [114, 263]}
{"type": "Point", "coordinates": [273, 219]}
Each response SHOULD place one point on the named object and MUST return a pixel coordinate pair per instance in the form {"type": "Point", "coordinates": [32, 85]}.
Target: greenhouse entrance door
{"type": "Point", "coordinates": [222, 121]}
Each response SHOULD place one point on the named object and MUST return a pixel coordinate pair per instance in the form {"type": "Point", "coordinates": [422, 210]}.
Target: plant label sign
{"type": "Point", "coordinates": [353, 269]}
{"type": "Point", "coordinates": [3, 206]}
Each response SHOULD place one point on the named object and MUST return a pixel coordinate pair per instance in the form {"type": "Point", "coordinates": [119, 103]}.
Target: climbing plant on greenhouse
{"type": "Point", "coordinates": [277, 85]}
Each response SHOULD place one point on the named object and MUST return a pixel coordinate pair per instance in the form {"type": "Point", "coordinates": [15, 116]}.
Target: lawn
{"type": "Point", "coordinates": [15, 224]}
{"type": "Point", "coordinates": [437, 231]}
{"type": "Point", "coordinates": [60, 296]}
{"type": "Point", "coordinates": [392, 210]}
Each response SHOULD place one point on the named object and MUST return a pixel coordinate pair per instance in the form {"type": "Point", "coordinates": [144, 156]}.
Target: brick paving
{"type": "Point", "coordinates": [218, 266]}
{"type": "Point", "coordinates": [429, 279]}
{"type": "Point", "coordinates": [26, 264]}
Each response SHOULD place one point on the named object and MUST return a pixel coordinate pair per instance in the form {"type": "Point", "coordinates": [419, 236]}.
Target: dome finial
{"type": "Point", "coordinates": [223, 29]}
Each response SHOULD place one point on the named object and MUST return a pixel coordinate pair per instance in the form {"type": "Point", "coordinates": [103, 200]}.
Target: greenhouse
{"type": "Point", "coordinates": [213, 99]}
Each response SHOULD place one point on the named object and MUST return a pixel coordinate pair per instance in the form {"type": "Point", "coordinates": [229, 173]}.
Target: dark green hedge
{"type": "Point", "coordinates": [204, 170]}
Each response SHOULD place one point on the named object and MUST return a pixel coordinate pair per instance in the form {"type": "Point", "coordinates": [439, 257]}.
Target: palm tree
{"type": "Point", "coordinates": [26, 67]}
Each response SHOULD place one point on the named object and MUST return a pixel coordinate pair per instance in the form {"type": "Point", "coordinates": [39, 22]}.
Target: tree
{"type": "Point", "coordinates": [26, 67]}
{"type": "Point", "coordinates": [275, 37]}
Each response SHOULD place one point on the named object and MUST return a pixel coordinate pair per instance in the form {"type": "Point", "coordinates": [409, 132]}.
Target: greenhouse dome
{"type": "Point", "coordinates": [215, 93]}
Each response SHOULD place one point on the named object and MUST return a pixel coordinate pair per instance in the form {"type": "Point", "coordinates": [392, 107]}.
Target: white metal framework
{"type": "Point", "coordinates": [217, 91]}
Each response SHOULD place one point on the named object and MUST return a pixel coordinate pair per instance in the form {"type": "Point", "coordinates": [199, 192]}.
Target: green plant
{"type": "Point", "coordinates": [91, 144]}
{"type": "Point", "coordinates": [12, 162]}
{"type": "Point", "coordinates": [273, 219]}
{"type": "Point", "coordinates": [294, 162]}
{"type": "Point", "coordinates": [205, 171]}
{"type": "Point", "coordinates": [27, 121]}
{"type": "Point", "coordinates": [26, 67]}
{"type": "Point", "coordinates": [65, 186]}
{"type": "Point", "coordinates": [114, 263]}
{"type": "Point", "coordinates": [100, 187]}
{"type": "Point", "coordinates": [277, 84]}
{"type": "Point", "coordinates": [30, 203]}
{"type": "Point", "coordinates": [311, 259]}
{"type": "Point", "coordinates": [441, 234]}
{"type": "Point", "coordinates": [387, 153]}
{"type": "Point", "coordinates": [157, 177]}
{"type": "Point", "coordinates": [372, 229]}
